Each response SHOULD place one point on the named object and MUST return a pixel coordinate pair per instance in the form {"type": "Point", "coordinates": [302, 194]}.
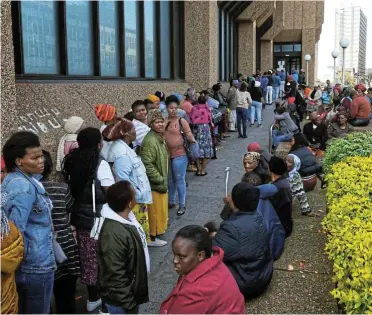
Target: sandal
{"type": "Point", "coordinates": [181, 211]}
{"type": "Point", "coordinates": [198, 174]}
{"type": "Point", "coordinates": [203, 174]}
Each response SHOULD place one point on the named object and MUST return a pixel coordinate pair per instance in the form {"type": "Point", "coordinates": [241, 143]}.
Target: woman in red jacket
{"type": "Point", "coordinates": [205, 285]}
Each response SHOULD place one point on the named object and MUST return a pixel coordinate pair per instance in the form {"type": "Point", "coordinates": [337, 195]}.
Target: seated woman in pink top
{"type": "Point", "coordinates": [201, 124]}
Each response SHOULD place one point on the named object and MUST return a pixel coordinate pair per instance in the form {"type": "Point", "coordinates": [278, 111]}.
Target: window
{"type": "Point", "coordinates": [226, 45]}
{"type": "Point", "coordinates": [40, 37]}
{"type": "Point", "coordinates": [101, 39]}
{"type": "Point", "coordinates": [109, 38]}
{"type": "Point", "coordinates": [287, 48]}
{"type": "Point", "coordinates": [297, 47]}
{"type": "Point", "coordinates": [79, 37]}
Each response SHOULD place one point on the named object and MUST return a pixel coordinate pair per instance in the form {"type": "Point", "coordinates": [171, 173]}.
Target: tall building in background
{"type": "Point", "coordinates": [352, 24]}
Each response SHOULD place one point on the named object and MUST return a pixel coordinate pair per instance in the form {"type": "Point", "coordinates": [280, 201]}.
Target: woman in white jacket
{"type": "Point", "coordinates": [128, 166]}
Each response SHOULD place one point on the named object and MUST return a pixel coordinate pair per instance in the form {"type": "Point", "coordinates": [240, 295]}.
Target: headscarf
{"type": "Point", "coordinates": [254, 147]}
{"type": "Point", "coordinates": [153, 115]}
{"type": "Point", "coordinates": [361, 87]}
{"type": "Point", "coordinates": [251, 157]}
{"type": "Point", "coordinates": [71, 127]}
{"type": "Point", "coordinates": [5, 227]}
{"type": "Point", "coordinates": [105, 112]}
{"type": "Point", "coordinates": [179, 96]}
{"type": "Point", "coordinates": [190, 92]}
{"type": "Point", "coordinates": [118, 130]}
{"type": "Point", "coordinates": [153, 98]}
{"type": "Point", "coordinates": [235, 82]}
{"type": "Point", "coordinates": [296, 165]}
{"type": "Point", "coordinates": [257, 84]}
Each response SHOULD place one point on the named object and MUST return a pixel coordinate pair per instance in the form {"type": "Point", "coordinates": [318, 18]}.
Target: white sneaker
{"type": "Point", "coordinates": [157, 243]}
{"type": "Point", "coordinates": [91, 306]}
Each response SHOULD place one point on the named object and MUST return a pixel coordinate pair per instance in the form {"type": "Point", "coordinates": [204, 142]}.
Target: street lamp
{"type": "Point", "coordinates": [344, 43]}
{"type": "Point", "coordinates": [307, 58]}
{"type": "Point", "coordinates": [334, 55]}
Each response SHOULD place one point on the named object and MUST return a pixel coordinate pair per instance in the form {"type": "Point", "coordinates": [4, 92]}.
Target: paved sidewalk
{"type": "Point", "coordinates": [305, 291]}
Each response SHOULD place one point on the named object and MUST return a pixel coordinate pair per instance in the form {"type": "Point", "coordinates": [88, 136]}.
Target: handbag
{"type": "Point", "coordinates": [191, 149]}
{"type": "Point", "coordinates": [98, 221]}
{"type": "Point", "coordinates": [59, 254]}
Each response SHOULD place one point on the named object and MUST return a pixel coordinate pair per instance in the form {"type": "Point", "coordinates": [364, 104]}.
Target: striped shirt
{"type": "Point", "coordinates": [60, 195]}
{"type": "Point", "coordinates": [141, 131]}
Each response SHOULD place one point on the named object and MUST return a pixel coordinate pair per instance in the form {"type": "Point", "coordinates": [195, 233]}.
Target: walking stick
{"type": "Point", "coordinates": [227, 171]}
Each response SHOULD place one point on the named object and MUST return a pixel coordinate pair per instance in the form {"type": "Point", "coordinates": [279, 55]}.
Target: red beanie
{"type": "Point", "coordinates": [254, 147]}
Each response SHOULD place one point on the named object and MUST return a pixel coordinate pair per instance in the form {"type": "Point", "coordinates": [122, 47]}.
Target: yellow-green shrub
{"type": "Point", "coordinates": [349, 227]}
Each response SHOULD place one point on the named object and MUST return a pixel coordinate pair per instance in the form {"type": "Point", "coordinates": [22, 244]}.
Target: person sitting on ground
{"type": "Point", "coordinates": [271, 220]}
{"type": "Point", "coordinates": [265, 156]}
{"type": "Point", "coordinates": [205, 285]}
{"type": "Point", "coordinates": [122, 253]}
{"type": "Point", "coordinates": [68, 141]}
{"type": "Point", "coordinates": [245, 241]}
{"type": "Point", "coordinates": [340, 128]}
{"type": "Point", "coordinates": [286, 125]}
{"type": "Point", "coordinates": [309, 169]}
{"type": "Point", "coordinates": [316, 132]}
{"type": "Point", "coordinates": [296, 184]}
{"type": "Point", "coordinates": [314, 100]}
{"type": "Point", "coordinates": [282, 199]}
{"type": "Point", "coordinates": [360, 110]}
{"type": "Point", "coordinates": [251, 162]}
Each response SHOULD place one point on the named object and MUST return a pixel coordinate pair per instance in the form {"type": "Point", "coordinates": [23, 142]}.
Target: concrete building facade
{"type": "Point", "coordinates": [62, 58]}
{"type": "Point", "coordinates": [351, 23]}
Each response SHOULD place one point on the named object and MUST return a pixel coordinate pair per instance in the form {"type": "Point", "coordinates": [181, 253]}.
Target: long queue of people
{"type": "Point", "coordinates": [131, 170]}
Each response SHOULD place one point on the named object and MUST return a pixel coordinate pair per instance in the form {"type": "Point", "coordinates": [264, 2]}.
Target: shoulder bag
{"type": "Point", "coordinates": [191, 149]}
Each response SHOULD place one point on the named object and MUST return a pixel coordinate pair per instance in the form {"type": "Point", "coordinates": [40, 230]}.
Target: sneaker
{"type": "Point", "coordinates": [157, 243]}
{"type": "Point", "coordinates": [91, 306]}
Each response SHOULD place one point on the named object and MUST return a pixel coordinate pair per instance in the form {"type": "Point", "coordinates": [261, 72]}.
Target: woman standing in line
{"type": "Point", "coordinates": [256, 108]}
{"type": "Point", "coordinates": [154, 154]}
{"type": "Point", "coordinates": [28, 206]}
{"type": "Point", "coordinates": [128, 166]}
{"type": "Point", "coordinates": [201, 121]}
{"type": "Point", "coordinates": [244, 100]}
{"type": "Point", "coordinates": [174, 128]}
{"type": "Point", "coordinates": [83, 167]}
{"type": "Point", "coordinates": [67, 272]}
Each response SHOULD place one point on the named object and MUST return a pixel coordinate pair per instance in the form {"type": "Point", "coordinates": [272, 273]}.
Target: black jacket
{"type": "Point", "coordinates": [282, 203]}
{"type": "Point", "coordinates": [316, 136]}
{"type": "Point", "coordinates": [309, 165]}
{"type": "Point", "coordinates": [122, 266]}
{"type": "Point", "coordinates": [244, 240]}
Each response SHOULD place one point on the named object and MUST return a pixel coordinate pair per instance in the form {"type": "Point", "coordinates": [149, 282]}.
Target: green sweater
{"type": "Point", "coordinates": [155, 157]}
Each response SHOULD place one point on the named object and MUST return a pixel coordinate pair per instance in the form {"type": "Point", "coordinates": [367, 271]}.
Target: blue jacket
{"type": "Point", "coordinates": [264, 82]}
{"type": "Point", "coordinates": [276, 80]}
{"type": "Point", "coordinates": [28, 206]}
{"type": "Point", "coordinates": [244, 240]}
{"type": "Point", "coordinates": [282, 75]}
{"type": "Point", "coordinates": [272, 223]}
{"type": "Point", "coordinates": [309, 165]}
{"type": "Point", "coordinates": [128, 166]}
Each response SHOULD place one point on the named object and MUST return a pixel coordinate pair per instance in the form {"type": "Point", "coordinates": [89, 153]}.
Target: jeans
{"type": "Point", "coordinates": [275, 93]}
{"type": "Point", "coordinates": [176, 180]}
{"type": "Point", "coordinates": [269, 95]}
{"type": "Point", "coordinates": [64, 294]}
{"type": "Point", "coordinates": [242, 117]}
{"type": "Point", "coordinates": [35, 292]}
{"type": "Point", "coordinates": [256, 110]}
{"type": "Point", "coordinates": [359, 122]}
{"type": "Point", "coordinates": [119, 310]}
{"type": "Point", "coordinates": [277, 137]}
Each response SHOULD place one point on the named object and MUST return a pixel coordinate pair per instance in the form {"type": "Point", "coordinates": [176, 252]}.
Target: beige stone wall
{"type": "Point", "coordinates": [266, 55]}
{"type": "Point", "coordinates": [8, 99]}
{"type": "Point", "coordinates": [201, 43]}
{"type": "Point", "coordinates": [247, 47]}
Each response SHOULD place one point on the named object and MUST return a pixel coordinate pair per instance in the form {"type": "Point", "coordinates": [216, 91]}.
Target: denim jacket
{"type": "Point", "coordinates": [28, 206]}
{"type": "Point", "coordinates": [128, 166]}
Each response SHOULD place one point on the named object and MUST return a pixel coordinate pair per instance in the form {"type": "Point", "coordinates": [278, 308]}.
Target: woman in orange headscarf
{"type": "Point", "coordinates": [107, 114]}
{"type": "Point", "coordinates": [11, 257]}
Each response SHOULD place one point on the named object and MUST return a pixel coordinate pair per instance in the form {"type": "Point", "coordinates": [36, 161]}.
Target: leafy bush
{"type": "Point", "coordinates": [349, 227]}
{"type": "Point", "coordinates": [354, 144]}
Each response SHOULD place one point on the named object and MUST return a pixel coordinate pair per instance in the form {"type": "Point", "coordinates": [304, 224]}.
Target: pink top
{"type": "Point", "coordinates": [200, 114]}
{"type": "Point", "coordinates": [186, 106]}
{"type": "Point", "coordinates": [69, 146]}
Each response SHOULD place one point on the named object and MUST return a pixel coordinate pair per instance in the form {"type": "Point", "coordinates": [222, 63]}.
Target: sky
{"type": "Point", "coordinates": [327, 37]}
